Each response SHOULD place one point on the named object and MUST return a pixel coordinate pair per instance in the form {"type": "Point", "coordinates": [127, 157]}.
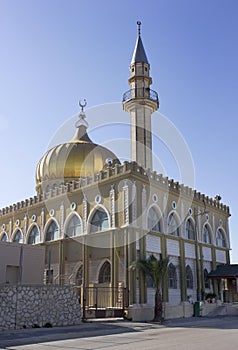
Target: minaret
{"type": "Point", "coordinates": [140, 102]}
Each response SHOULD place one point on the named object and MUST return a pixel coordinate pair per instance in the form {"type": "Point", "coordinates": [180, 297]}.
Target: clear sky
{"type": "Point", "coordinates": [53, 53]}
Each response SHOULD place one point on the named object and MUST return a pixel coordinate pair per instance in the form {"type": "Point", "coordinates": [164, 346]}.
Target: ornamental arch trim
{"type": "Point", "coordinates": [2, 234]}
{"type": "Point", "coordinates": [210, 230]}
{"type": "Point", "coordinates": [67, 220]}
{"type": "Point", "coordinates": [47, 224]}
{"type": "Point", "coordinates": [161, 220]}
{"type": "Point", "coordinates": [32, 225]}
{"type": "Point", "coordinates": [178, 222]}
{"type": "Point", "coordinates": [15, 232]}
{"type": "Point", "coordinates": [93, 211]}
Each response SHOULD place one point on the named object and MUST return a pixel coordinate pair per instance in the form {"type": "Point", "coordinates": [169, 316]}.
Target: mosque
{"type": "Point", "coordinates": [95, 215]}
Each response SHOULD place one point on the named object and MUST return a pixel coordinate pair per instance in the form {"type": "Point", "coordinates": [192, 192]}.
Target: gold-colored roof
{"type": "Point", "coordinates": [69, 161]}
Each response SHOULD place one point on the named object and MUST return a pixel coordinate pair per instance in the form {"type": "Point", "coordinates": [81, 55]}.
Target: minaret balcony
{"type": "Point", "coordinates": [141, 93]}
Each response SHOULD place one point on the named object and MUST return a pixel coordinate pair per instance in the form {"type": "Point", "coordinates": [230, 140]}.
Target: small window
{"type": "Point", "coordinates": [206, 279]}
{"type": "Point", "coordinates": [172, 276]}
{"type": "Point", "coordinates": [34, 236]}
{"type": "Point", "coordinates": [190, 230]}
{"type": "Point", "coordinates": [153, 220]}
{"type": "Point", "coordinates": [74, 227]}
{"type": "Point", "coordinates": [52, 232]}
{"type": "Point", "coordinates": [79, 276]}
{"type": "Point", "coordinates": [4, 238]}
{"type": "Point", "coordinates": [18, 237]}
{"type": "Point", "coordinates": [206, 234]}
{"type": "Point", "coordinates": [173, 228]}
{"type": "Point", "coordinates": [149, 281]}
{"type": "Point", "coordinates": [105, 273]}
{"type": "Point", "coordinates": [189, 277]}
{"type": "Point", "coordinates": [99, 221]}
{"type": "Point", "coordinates": [220, 239]}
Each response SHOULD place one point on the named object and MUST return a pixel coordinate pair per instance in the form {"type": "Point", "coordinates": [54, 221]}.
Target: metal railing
{"type": "Point", "coordinates": [140, 93]}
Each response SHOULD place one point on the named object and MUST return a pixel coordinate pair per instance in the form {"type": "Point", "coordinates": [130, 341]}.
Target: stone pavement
{"type": "Point", "coordinates": [183, 334]}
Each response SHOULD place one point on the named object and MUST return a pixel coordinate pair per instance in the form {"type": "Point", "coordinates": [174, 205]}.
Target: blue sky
{"type": "Point", "coordinates": [54, 53]}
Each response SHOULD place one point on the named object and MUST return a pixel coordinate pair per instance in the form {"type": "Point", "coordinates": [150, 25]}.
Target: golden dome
{"type": "Point", "coordinates": [69, 161]}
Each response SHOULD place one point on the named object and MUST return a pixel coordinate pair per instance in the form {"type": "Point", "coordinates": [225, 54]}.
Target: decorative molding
{"type": "Point", "coordinates": [134, 204]}
{"type": "Point", "coordinates": [112, 206]}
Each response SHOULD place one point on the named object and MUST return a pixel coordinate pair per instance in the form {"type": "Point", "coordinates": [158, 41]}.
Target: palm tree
{"type": "Point", "coordinates": [156, 269]}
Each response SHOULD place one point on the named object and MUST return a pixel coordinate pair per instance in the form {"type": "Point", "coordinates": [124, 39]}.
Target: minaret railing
{"type": "Point", "coordinates": [140, 93]}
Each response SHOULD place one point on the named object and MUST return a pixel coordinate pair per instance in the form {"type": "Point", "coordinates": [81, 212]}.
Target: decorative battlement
{"type": "Point", "coordinates": [125, 168]}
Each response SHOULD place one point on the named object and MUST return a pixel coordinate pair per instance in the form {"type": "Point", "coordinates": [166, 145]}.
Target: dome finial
{"type": "Point", "coordinates": [82, 105]}
{"type": "Point", "coordinates": [82, 116]}
{"type": "Point", "coordinates": [139, 24]}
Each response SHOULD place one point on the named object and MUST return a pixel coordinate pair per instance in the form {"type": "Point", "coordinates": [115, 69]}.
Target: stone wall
{"type": "Point", "coordinates": [28, 306]}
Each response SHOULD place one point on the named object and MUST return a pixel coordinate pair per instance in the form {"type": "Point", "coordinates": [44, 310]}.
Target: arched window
{"type": "Point", "coordinates": [173, 225]}
{"type": "Point", "coordinates": [34, 236]}
{"type": "Point", "coordinates": [206, 234]}
{"type": "Point", "coordinates": [220, 239]}
{"type": "Point", "coordinates": [18, 237]}
{"type": "Point", "coordinates": [74, 227]}
{"type": "Point", "coordinates": [206, 279]}
{"type": "Point", "coordinates": [4, 238]}
{"type": "Point", "coordinates": [153, 222]}
{"type": "Point", "coordinates": [52, 232]}
{"type": "Point", "coordinates": [172, 276]}
{"type": "Point", "coordinates": [79, 276]}
{"type": "Point", "coordinates": [190, 230]}
{"type": "Point", "coordinates": [105, 273]}
{"type": "Point", "coordinates": [189, 277]}
{"type": "Point", "coordinates": [99, 221]}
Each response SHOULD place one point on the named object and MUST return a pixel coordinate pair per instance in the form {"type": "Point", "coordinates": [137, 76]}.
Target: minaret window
{"type": "Point", "coordinates": [34, 236]}
{"type": "Point", "coordinates": [99, 221]}
{"type": "Point", "coordinates": [52, 232]}
{"type": "Point", "coordinates": [18, 237]}
{"type": "Point", "coordinates": [153, 220]}
{"type": "Point", "coordinates": [74, 227]}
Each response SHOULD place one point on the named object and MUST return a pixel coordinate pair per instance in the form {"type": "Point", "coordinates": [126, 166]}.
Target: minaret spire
{"type": "Point", "coordinates": [81, 125]}
{"type": "Point", "coordinates": [140, 102]}
{"type": "Point", "coordinates": [139, 24]}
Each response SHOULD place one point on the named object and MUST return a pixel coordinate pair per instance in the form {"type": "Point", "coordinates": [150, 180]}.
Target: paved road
{"type": "Point", "coordinates": [186, 334]}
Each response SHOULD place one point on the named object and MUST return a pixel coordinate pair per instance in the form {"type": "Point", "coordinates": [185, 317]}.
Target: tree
{"type": "Point", "coordinates": [156, 269]}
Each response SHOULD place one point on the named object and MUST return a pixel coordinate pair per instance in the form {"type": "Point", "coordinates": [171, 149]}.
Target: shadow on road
{"type": "Point", "coordinates": [218, 322]}
{"type": "Point", "coordinates": [29, 336]}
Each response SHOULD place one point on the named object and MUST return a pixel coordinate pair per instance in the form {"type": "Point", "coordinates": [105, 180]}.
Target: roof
{"type": "Point", "coordinates": [224, 271]}
{"type": "Point", "coordinates": [139, 54]}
